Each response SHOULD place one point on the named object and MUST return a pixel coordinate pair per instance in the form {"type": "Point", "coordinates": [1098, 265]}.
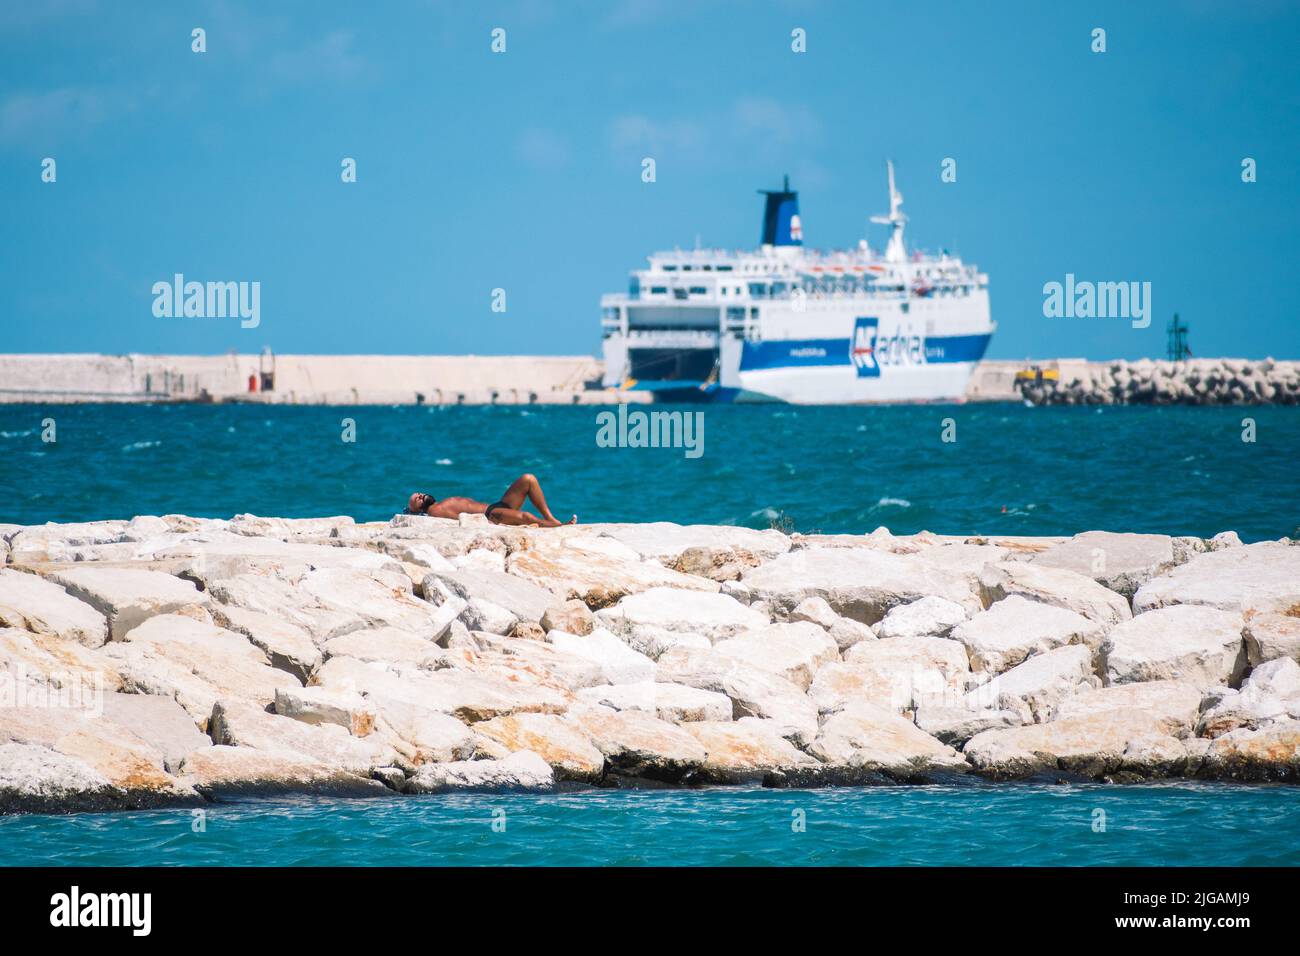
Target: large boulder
{"type": "Point", "coordinates": [597, 571]}
{"type": "Point", "coordinates": [1015, 628]}
{"type": "Point", "coordinates": [637, 744]}
{"type": "Point", "coordinates": [954, 725]}
{"type": "Point", "coordinates": [1270, 753]}
{"type": "Point", "coordinates": [239, 724]}
{"type": "Point", "coordinates": [1173, 704]}
{"type": "Point", "coordinates": [865, 737]}
{"type": "Point", "coordinates": [794, 651]}
{"type": "Point", "coordinates": [378, 602]}
{"type": "Point", "coordinates": [383, 644]}
{"type": "Point", "coordinates": [1058, 587]}
{"type": "Point", "coordinates": [1182, 642]}
{"type": "Point", "coordinates": [716, 616]}
{"type": "Point", "coordinates": [1092, 745]}
{"type": "Point", "coordinates": [128, 596]}
{"type": "Point", "coordinates": [235, 772]}
{"type": "Point", "coordinates": [521, 599]}
{"type": "Point", "coordinates": [287, 646]}
{"type": "Point", "coordinates": [1120, 562]}
{"type": "Point", "coordinates": [42, 607]}
{"type": "Point", "coordinates": [1271, 635]}
{"type": "Point", "coordinates": [1270, 694]}
{"type": "Point", "coordinates": [324, 705]}
{"type": "Point", "coordinates": [525, 658]}
{"type": "Point", "coordinates": [1034, 687]}
{"type": "Point", "coordinates": [753, 692]}
{"type": "Point", "coordinates": [58, 665]}
{"type": "Point", "coordinates": [274, 597]}
{"type": "Point", "coordinates": [675, 703]}
{"type": "Point", "coordinates": [195, 663]}
{"type": "Point", "coordinates": [568, 751]}
{"type": "Point", "coordinates": [859, 583]}
{"type": "Point", "coordinates": [898, 674]}
{"type": "Point", "coordinates": [158, 721]}
{"type": "Point", "coordinates": [619, 664]}
{"type": "Point", "coordinates": [666, 542]}
{"type": "Point", "coordinates": [1263, 577]}
{"type": "Point", "coordinates": [928, 617]}
{"type": "Point", "coordinates": [468, 695]}
{"type": "Point", "coordinates": [36, 779]}
{"type": "Point", "coordinates": [749, 749]}
{"type": "Point", "coordinates": [520, 772]}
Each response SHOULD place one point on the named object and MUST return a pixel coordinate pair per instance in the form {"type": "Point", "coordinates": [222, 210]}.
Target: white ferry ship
{"type": "Point", "coordinates": [789, 324]}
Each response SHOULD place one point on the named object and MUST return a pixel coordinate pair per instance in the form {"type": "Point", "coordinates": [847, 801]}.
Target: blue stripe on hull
{"type": "Point", "coordinates": [902, 350]}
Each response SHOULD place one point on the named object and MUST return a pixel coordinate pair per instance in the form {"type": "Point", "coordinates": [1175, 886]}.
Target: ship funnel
{"type": "Point", "coordinates": [781, 225]}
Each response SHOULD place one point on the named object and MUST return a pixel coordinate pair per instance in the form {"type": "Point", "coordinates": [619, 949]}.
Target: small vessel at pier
{"type": "Point", "coordinates": [785, 323]}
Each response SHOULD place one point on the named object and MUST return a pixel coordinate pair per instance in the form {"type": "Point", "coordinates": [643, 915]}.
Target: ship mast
{"type": "Point", "coordinates": [894, 251]}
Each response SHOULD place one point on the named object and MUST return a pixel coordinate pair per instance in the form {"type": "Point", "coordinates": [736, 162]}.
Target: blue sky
{"type": "Point", "coordinates": [522, 170]}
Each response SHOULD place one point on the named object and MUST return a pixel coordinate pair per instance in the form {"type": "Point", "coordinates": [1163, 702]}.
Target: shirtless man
{"type": "Point", "coordinates": [507, 510]}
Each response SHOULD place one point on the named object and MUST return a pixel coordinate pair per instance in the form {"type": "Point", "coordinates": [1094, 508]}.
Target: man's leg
{"type": "Point", "coordinates": [527, 487]}
{"type": "Point", "coordinates": [513, 516]}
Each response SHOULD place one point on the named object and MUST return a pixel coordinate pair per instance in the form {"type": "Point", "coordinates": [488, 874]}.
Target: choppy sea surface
{"type": "Point", "coordinates": [1010, 470]}
{"type": "Point", "coordinates": [973, 825]}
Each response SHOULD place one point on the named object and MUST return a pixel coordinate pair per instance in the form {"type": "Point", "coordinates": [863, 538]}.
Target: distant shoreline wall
{"type": "Point", "coordinates": [574, 380]}
{"type": "Point", "coordinates": [303, 379]}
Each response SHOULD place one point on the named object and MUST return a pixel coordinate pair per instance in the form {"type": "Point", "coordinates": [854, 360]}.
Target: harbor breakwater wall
{"type": "Point", "coordinates": [573, 380]}
{"type": "Point", "coordinates": [304, 379]}
{"type": "Point", "coordinates": [173, 660]}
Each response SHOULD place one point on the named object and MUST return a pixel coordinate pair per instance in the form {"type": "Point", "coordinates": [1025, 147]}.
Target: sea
{"type": "Point", "coordinates": [968, 470]}
{"type": "Point", "coordinates": [974, 469]}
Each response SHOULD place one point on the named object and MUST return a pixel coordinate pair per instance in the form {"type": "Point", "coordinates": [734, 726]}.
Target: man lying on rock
{"type": "Point", "coordinates": [507, 510]}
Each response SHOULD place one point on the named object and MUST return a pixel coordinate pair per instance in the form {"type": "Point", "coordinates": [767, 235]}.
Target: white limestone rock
{"type": "Point", "coordinates": [1270, 753]}
{"type": "Point", "coordinates": [1035, 686]}
{"type": "Point", "coordinates": [899, 674]}
{"type": "Point", "coordinates": [195, 663]}
{"type": "Point", "coordinates": [521, 599]}
{"type": "Point", "coordinates": [745, 750]}
{"type": "Point", "coordinates": [324, 705]}
{"type": "Point", "coordinates": [1016, 627]}
{"type": "Point", "coordinates": [383, 644]}
{"type": "Point", "coordinates": [716, 616]}
{"type": "Point", "coordinates": [128, 597]}
{"type": "Point", "coordinates": [1058, 587]}
{"type": "Point", "coordinates": [568, 751]}
{"type": "Point", "coordinates": [31, 603]}
{"type": "Point", "coordinates": [1091, 745]}
{"type": "Point", "coordinates": [926, 617]}
{"type": "Point", "coordinates": [956, 725]}
{"type": "Point", "coordinates": [1270, 694]}
{"type": "Point", "coordinates": [36, 779]}
{"type": "Point", "coordinates": [865, 737]}
{"type": "Point", "coordinates": [666, 542]}
{"type": "Point", "coordinates": [1263, 578]}
{"type": "Point", "coordinates": [239, 724]}
{"type": "Point", "coordinates": [753, 692]}
{"type": "Point", "coordinates": [520, 772]}
{"type": "Point", "coordinates": [287, 646]}
{"type": "Point", "coordinates": [619, 663]}
{"type": "Point", "coordinates": [233, 772]}
{"type": "Point", "coordinates": [1173, 704]}
{"type": "Point", "coordinates": [158, 721]}
{"type": "Point", "coordinates": [597, 571]}
{"type": "Point", "coordinates": [1270, 636]}
{"type": "Point", "coordinates": [793, 651]}
{"type": "Point", "coordinates": [572, 617]}
{"type": "Point", "coordinates": [376, 601]}
{"type": "Point", "coordinates": [637, 744]}
{"type": "Point", "coordinates": [1199, 644]}
{"type": "Point", "coordinates": [1120, 562]}
{"type": "Point", "coordinates": [675, 703]}
{"type": "Point", "coordinates": [859, 583]}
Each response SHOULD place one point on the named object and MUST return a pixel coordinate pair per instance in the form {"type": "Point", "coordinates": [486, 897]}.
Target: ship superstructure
{"type": "Point", "coordinates": [785, 323]}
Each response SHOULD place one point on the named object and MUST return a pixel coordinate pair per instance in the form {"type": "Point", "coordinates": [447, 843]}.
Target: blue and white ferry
{"type": "Point", "coordinates": [785, 323]}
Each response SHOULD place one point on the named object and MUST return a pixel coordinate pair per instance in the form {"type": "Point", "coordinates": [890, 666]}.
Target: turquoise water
{"type": "Point", "coordinates": [1019, 825]}
{"type": "Point", "coordinates": [1012, 469]}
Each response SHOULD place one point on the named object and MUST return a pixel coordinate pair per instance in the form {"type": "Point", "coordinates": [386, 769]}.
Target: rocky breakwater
{"type": "Point", "coordinates": [1149, 382]}
{"type": "Point", "coordinates": [175, 660]}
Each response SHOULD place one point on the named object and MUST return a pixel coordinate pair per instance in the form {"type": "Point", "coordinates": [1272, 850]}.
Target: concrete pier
{"type": "Point", "coordinates": [575, 380]}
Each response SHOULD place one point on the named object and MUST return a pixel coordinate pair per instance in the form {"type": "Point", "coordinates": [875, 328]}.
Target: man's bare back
{"type": "Point", "coordinates": [507, 510]}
